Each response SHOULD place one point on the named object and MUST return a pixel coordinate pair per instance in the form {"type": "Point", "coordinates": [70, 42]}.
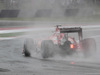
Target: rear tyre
{"type": "Point", "coordinates": [89, 47]}
{"type": "Point", "coordinates": [47, 47]}
{"type": "Point", "coordinates": [26, 51]}
{"type": "Point", "coordinates": [28, 47]}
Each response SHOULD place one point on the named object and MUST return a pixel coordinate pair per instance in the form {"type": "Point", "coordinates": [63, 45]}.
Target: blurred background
{"type": "Point", "coordinates": [49, 8]}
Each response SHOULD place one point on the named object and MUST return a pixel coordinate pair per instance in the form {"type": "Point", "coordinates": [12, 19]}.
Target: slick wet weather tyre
{"type": "Point", "coordinates": [89, 47]}
{"type": "Point", "coordinates": [28, 46]}
{"type": "Point", "coordinates": [47, 47]}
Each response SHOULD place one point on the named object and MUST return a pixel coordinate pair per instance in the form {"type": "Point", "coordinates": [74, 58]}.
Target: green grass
{"type": "Point", "coordinates": [95, 18]}
{"type": "Point", "coordinates": [12, 34]}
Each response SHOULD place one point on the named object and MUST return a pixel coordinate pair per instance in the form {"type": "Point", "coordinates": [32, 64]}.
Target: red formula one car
{"type": "Point", "coordinates": [61, 43]}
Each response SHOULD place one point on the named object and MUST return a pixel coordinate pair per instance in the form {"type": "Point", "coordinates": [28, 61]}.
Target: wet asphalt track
{"type": "Point", "coordinates": [13, 63]}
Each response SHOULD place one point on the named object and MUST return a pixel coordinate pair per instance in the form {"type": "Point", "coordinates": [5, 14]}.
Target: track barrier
{"type": "Point", "coordinates": [9, 13]}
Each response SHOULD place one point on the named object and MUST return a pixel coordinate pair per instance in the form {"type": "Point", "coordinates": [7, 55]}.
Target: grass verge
{"type": "Point", "coordinates": [95, 18]}
{"type": "Point", "coordinates": [12, 34]}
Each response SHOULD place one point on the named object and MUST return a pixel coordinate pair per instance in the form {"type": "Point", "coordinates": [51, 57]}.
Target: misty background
{"type": "Point", "coordinates": [52, 8]}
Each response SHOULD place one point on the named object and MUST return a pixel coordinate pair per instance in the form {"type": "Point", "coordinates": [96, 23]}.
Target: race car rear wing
{"type": "Point", "coordinates": [69, 30]}
{"type": "Point", "coordinates": [72, 30]}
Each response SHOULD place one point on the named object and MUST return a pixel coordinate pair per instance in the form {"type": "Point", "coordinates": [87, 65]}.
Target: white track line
{"type": "Point", "coordinates": [41, 29]}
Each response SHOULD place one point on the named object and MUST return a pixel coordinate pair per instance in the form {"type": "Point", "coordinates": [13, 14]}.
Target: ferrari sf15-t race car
{"type": "Point", "coordinates": [61, 43]}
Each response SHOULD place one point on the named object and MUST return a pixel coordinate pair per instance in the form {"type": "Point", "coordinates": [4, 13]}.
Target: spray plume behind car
{"type": "Point", "coordinates": [61, 43]}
